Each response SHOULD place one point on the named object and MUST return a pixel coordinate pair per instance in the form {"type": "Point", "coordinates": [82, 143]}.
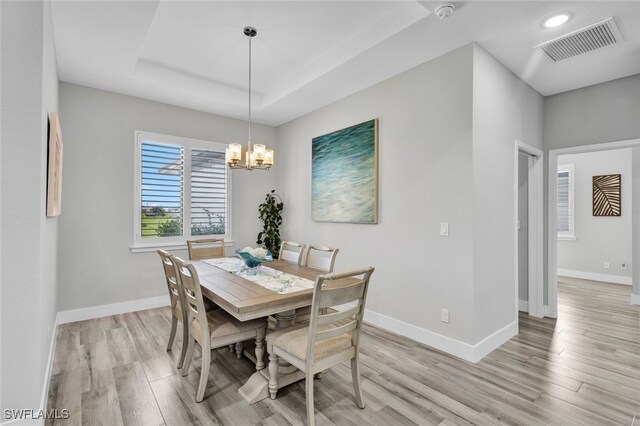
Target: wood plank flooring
{"type": "Point", "coordinates": [583, 368]}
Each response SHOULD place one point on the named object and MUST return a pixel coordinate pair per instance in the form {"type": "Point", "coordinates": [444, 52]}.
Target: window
{"type": "Point", "coordinates": [182, 191]}
{"type": "Point", "coordinates": [566, 219]}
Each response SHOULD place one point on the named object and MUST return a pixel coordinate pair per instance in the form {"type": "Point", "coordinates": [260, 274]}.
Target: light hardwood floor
{"type": "Point", "coordinates": [583, 368]}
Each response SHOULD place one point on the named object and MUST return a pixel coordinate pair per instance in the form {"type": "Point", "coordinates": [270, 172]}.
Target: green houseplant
{"type": "Point", "coordinates": [270, 213]}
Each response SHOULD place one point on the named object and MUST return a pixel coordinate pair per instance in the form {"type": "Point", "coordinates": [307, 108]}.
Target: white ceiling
{"type": "Point", "coordinates": [310, 53]}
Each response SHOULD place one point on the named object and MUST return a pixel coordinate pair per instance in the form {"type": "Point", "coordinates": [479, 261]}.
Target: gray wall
{"type": "Point", "coordinates": [598, 239]}
{"type": "Point", "coordinates": [604, 112]}
{"type": "Point", "coordinates": [523, 231]}
{"type": "Point", "coordinates": [28, 270]}
{"type": "Point", "coordinates": [425, 178]}
{"type": "Point", "coordinates": [96, 266]}
{"type": "Point", "coordinates": [505, 109]}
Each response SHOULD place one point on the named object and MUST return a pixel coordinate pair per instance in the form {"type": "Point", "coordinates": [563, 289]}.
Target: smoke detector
{"type": "Point", "coordinates": [444, 10]}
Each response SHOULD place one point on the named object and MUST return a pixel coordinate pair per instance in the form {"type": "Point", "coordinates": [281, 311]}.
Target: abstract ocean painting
{"type": "Point", "coordinates": [344, 175]}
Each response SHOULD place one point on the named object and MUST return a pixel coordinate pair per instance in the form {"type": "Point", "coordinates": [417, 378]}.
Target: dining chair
{"type": "Point", "coordinates": [291, 251]}
{"type": "Point", "coordinates": [316, 257]}
{"type": "Point", "coordinates": [330, 339]}
{"type": "Point", "coordinates": [209, 248]}
{"type": "Point", "coordinates": [213, 329]}
{"type": "Point", "coordinates": [178, 311]}
{"type": "Point", "coordinates": [319, 257]}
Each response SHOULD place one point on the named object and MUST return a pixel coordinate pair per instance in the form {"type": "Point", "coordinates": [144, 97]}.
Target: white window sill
{"type": "Point", "coordinates": [145, 248]}
{"type": "Point", "coordinates": [567, 238]}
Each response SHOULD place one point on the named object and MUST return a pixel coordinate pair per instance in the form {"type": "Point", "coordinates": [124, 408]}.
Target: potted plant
{"type": "Point", "coordinates": [270, 213]}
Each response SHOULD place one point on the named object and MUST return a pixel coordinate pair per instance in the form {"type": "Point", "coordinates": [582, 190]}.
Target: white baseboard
{"type": "Point", "coordinates": [615, 279]}
{"type": "Point", "coordinates": [523, 305]}
{"type": "Point", "coordinates": [635, 299]}
{"type": "Point", "coordinates": [465, 351]}
{"type": "Point", "coordinates": [112, 309]}
{"type": "Point", "coordinates": [47, 371]}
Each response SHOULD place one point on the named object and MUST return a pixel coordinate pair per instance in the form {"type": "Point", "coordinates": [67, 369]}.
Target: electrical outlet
{"type": "Point", "coordinates": [444, 315]}
{"type": "Point", "coordinates": [607, 265]}
{"type": "Point", "coordinates": [623, 266]}
{"type": "Point", "coordinates": [444, 229]}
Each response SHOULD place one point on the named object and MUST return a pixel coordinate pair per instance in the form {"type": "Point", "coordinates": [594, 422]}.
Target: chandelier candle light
{"type": "Point", "coordinates": [260, 158]}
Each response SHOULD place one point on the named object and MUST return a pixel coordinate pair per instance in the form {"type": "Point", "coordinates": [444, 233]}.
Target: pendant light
{"type": "Point", "coordinates": [260, 158]}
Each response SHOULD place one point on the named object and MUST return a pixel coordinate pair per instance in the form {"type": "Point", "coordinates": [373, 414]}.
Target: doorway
{"type": "Point", "coordinates": [552, 247]}
{"type": "Point", "coordinates": [528, 214]}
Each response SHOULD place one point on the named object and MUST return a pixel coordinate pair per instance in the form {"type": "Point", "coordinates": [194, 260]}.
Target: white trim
{"type": "Point", "coordinates": [523, 305]}
{"type": "Point", "coordinates": [567, 238]}
{"type": "Point", "coordinates": [635, 299]}
{"type": "Point", "coordinates": [535, 231]}
{"type": "Point", "coordinates": [47, 371]}
{"type": "Point", "coordinates": [615, 279]}
{"type": "Point", "coordinates": [548, 313]}
{"type": "Point", "coordinates": [465, 351]}
{"type": "Point", "coordinates": [145, 248]}
{"type": "Point", "coordinates": [552, 240]}
{"type": "Point", "coordinates": [187, 144]}
{"type": "Point", "coordinates": [112, 309]}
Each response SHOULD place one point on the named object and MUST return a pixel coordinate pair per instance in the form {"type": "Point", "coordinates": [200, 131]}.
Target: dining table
{"type": "Point", "coordinates": [247, 300]}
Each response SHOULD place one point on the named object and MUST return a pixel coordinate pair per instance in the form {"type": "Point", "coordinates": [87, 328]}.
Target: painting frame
{"type": "Point", "coordinates": [54, 167]}
{"type": "Point", "coordinates": [607, 195]}
{"type": "Point", "coordinates": [360, 140]}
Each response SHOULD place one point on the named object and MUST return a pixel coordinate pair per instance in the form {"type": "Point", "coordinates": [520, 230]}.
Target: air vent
{"type": "Point", "coordinates": [593, 37]}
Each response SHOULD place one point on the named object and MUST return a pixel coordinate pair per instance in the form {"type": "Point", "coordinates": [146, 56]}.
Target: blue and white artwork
{"type": "Point", "coordinates": [344, 175]}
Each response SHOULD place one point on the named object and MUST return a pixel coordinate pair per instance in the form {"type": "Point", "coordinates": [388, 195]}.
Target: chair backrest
{"type": "Point", "coordinates": [291, 251]}
{"type": "Point", "coordinates": [192, 294]}
{"type": "Point", "coordinates": [319, 257]}
{"type": "Point", "coordinates": [335, 290]}
{"type": "Point", "coordinates": [209, 248]}
{"type": "Point", "coordinates": [173, 280]}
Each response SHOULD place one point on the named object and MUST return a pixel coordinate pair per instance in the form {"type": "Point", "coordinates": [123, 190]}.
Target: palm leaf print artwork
{"type": "Point", "coordinates": [606, 195]}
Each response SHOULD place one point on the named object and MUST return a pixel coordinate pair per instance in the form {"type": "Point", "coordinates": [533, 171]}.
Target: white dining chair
{"type": "Point", "coordinates": [178, 311]}
{"type": "Point", "coordinates": [316, 257]}
{"type": "Point", "coordinates": [213, 329]}
{"type": "Point", "coordinates": [209, 248]}
{"type": "Point", "coordinates": [291, 251]}
{"type": "Point", "coordinates": [330, 339]}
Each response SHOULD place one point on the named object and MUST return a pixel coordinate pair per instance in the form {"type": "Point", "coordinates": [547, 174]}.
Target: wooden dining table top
{"type": "Point", "coordinates": [246, 300]}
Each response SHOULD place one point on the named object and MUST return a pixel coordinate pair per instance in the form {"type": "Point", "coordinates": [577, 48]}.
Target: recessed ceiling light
{"type": "Point", "coordinates": [555, 20]}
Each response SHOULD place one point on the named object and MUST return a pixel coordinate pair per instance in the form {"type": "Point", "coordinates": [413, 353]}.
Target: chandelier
{"type": "Point", "coordinates": [260, 158]}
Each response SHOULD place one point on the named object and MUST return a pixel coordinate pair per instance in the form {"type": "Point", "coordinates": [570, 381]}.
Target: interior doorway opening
{"type": "Point", "coordinates": [529, 217]}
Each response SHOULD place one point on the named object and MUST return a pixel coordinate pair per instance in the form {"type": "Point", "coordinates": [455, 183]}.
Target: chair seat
{"type": "Point", "coordinates": [221, 325]}
{"type": "Point", "coordinates": [272, 335]}
{"type": "Point", "coordinates": [295, 342]}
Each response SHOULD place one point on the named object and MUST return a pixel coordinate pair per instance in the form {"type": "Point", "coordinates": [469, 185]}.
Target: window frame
{"type": "Point", "coordinates": [569, 235]}
{"type": "Point", "coordinates": [151, 244]}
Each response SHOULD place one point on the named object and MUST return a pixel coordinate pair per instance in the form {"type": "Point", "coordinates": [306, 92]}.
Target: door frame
{"type": "Point", "coordinates": [536, 227]}
{"type": "Point", "coordinates": [552, 246]}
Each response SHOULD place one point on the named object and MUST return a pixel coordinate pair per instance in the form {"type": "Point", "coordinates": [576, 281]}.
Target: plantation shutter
{"type": "Point", "coordinates": [208, 192]}
{"type": "Point", "coordinates": [162, 173]}
{"type": "Point", "coordinates": [564, 204]}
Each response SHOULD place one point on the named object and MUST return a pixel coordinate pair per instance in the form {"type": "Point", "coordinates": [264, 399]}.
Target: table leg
{"type": "Point", "coordinates": [257, 387]}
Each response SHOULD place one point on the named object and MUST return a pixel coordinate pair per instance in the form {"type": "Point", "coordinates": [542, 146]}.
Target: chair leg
{"type": "Point", "coordinates": [174, 326]}
{"type": "Point", "coordinates": [273, 375]}
{"type": "Point", "coordinates": [260, 349]}
{"type": "Point", "coordinates": [239, 347]}
{"type": "Point", "coordinates": [185, 340]}
{"type": "Point", "coordinates": [310, 407]}
{"type": "Point", "coordinates": [204, 372]}
{"type": "Point", "coordinates": [355, 376]}
{"type": "Point", "coordinates": [189, 355]}
{"type": "Point", "coordinates": [231, 348]}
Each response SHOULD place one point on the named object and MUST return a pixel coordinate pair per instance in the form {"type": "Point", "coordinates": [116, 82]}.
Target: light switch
{"type": "Point", "coordinates": [444, 229]}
